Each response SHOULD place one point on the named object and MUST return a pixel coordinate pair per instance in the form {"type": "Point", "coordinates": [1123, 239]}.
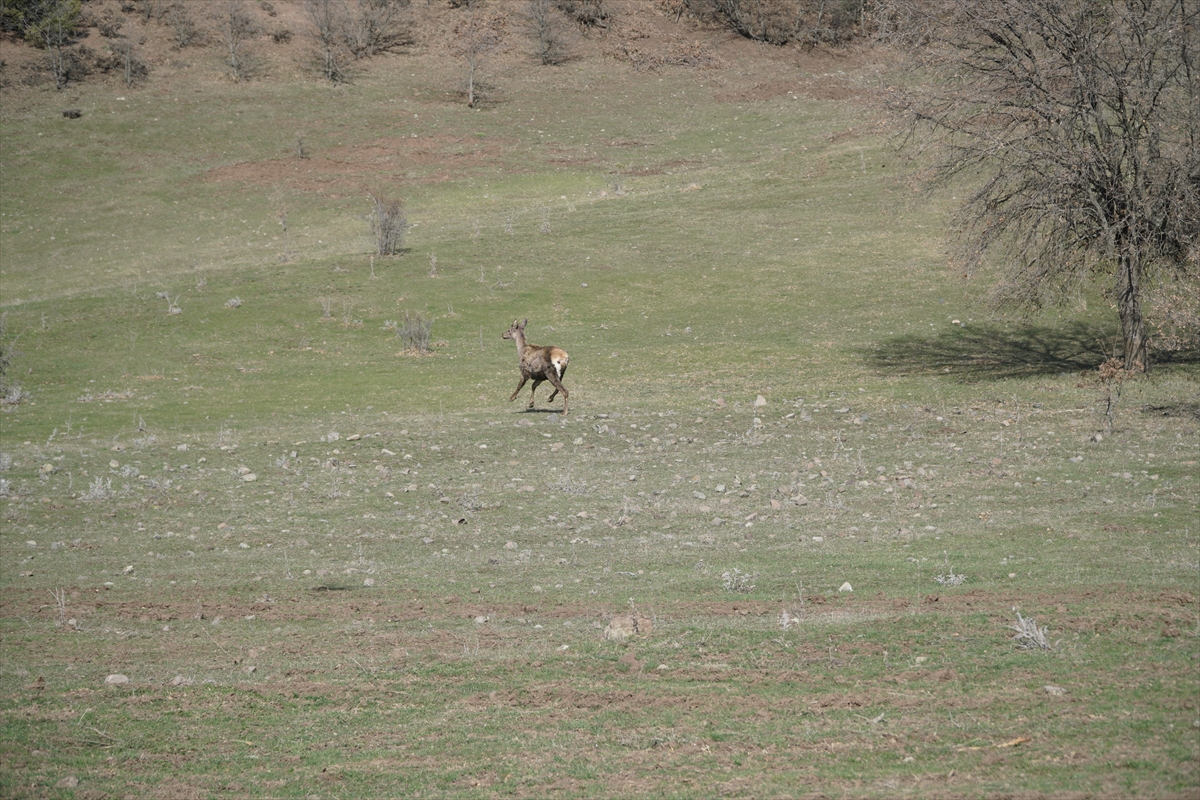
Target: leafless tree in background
{"type": "Point", "coordinates": [548, 30]}
{"type": "Point", "coordinates": [1078, 124]}
{"type": "Point", "coordinates": [327, 21]}
{"type": "Point", "coordinates": [378, 26]}
{"type": "Point", "coordinates": [477, 36]}
{"type": "Point", "coordinates": [237, 29]}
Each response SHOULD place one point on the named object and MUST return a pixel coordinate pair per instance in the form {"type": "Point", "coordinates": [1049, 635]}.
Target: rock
{"type": "Point", "coordinates": [480, 619]}
{"type": "Point", "coordinates": [818, 539]}
{"type": "Point", "coordinates": [116, 679]}
{"type": "Point", "coordinates": [249, 477]}
{"type": "Point", "coordinates": [368, 581]}
{"type": "Point", "coordinates": [760, 401]}
{"type": "Point", "coordinates": [69, 782]}
{"type": "Point", "coordinates": [180, 680]}
{"type": "Point", "coordinates": [846, 587]}
{"type": "Point", "coordinates": [1054, 691]}
{"type": "Point", "coordinates": [510, 545]}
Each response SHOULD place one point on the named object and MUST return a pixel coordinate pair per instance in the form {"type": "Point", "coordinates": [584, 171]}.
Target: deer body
{"type": "Point", "coordinates": [538, 363]}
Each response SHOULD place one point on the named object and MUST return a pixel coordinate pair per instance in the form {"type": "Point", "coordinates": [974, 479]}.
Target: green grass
{"type": "Point", "coordinates": [698, 254]}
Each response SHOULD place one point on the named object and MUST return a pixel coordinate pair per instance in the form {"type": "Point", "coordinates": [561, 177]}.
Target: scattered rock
{"type": "Point", "coordinates": [760, 401]}
{"type": "Point", "coordinates": [69, 782]}
{"type": "Point", "coordinates": [510, 545]}
{"type": "Point", "coordinates": [480, 619]}
{"type": "Point", "coordinates": [368, 581]}
{"type": "Point", "coordinates": [116, 679]}
{"type": "Point", "coordinates": [180, 680]}
{"type": "Point", "coordinates": [249, 477]}
{"type": "Point", "coordinates": [845, 587]}
{"type": "Point", "coordinates": [1054, 691]}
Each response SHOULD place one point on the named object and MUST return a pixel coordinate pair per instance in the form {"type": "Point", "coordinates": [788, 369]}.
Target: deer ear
{"type": "Point", "coordinates": [523, 324]}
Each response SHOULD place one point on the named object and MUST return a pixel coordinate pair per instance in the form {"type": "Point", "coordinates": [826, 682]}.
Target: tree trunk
{"type": "Point", "coordinates": [1129, 309]}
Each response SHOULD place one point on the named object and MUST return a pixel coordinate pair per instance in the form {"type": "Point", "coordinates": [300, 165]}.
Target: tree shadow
{"type": "Point", "coordinates": [981, 351]}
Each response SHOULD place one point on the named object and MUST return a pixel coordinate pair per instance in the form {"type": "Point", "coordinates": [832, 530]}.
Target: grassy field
{"type": "Point", "coordinates": [328, 567]}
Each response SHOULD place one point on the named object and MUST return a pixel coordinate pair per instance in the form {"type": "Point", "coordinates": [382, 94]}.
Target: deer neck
{"type": "Point", "coordinates": [519, 338]}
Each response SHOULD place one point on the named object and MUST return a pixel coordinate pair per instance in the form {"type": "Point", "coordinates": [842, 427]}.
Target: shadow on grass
{"type": "Point", "coordinates": [981, 352]}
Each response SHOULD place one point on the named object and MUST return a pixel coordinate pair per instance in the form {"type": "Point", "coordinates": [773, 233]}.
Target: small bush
{"type": "Point", "coordinates": [389, 225]}
{"type": "Point", "coordinates": [415, 331]}
{"type": "Point", "coordinates": [586, 13]}
{"type": "Point", "coordinates": [737, 581]}
{"type": "Point", "coordinates": [1029, 635]}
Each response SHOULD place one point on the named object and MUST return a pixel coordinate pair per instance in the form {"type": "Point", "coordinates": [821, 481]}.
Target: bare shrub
{"type": "Point", "coordinates": [100, 489]}
{"type": "Point", "coordinates": [379, 26]}
{"type": "Point", "coordinates": [1029, 636]}
{"type": "Point", "coordinates": [389, 225]}
{"type": "Point", "coordinates": [548, 32]}
{"type": "Point", "coordinates": [587, 14]}
{"type": "Point", "coordinates": [415, 331]}
{"type": "Point", "coordinates": [109, 24]}
{"type": "Point", "coordinates": [736, 581]}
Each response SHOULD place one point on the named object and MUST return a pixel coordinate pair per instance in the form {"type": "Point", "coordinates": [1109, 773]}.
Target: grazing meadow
{"type": "Point", "coordinates": [818, 522]}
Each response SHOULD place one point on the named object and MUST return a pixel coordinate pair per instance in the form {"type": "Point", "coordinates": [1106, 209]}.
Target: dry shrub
{"type": "Point", "coordinates": [389, 225]}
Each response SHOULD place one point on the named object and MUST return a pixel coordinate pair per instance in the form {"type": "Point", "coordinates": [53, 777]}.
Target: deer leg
{"type": "Point", "coordinates": [536, 383]}
{"type": "Point", "coordinates": [524, 378]}
{"type": "Point", "coordinates": [558, 387]}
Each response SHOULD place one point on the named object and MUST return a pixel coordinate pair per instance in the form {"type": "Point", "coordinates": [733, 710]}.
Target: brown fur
{"type": "Point", "coordinates": [539, 363]}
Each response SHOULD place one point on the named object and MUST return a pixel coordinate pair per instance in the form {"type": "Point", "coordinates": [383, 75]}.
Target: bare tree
{"type": "Point", "coordinates": [132, 68]}
{"type": "Point", "coordinates": [183, 26]}
{"type": "Point", "coordinates": [476, 37]}
{"type": "Point", "coordinates": [1079, 125]}
{"type": "Point", "coordinates": [378, 26]}
{"type": "Point", "coordinates": [237, 29]}
{"type": "Point", "coordinates": [327, 30]}
{"type": "Point", "coordinates": [547, 29]}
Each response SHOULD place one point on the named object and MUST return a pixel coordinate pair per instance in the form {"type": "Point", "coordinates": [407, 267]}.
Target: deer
{"type": "Point", "coordinates": [540, 363]}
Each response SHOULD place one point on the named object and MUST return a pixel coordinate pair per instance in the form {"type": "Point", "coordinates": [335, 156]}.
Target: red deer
{"type": "Point", "coordinates": [539, 363]}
